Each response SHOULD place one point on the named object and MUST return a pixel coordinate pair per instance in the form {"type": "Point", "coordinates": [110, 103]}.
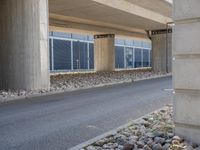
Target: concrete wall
{"type": "Point", "coordinates": [186, 68]}
{"type": "Point", "coordinates": [24, 44]}
{"type": "Point", "coordinates": [162, 58]}
{"type": "Point", "coordinates": [104, 52]}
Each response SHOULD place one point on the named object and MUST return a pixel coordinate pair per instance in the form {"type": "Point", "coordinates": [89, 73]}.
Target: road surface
{"type": "Point", "coordinates": [62, 121]}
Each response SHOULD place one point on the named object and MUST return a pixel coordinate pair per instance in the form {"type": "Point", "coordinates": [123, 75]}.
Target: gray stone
{"type": "Point", "coordinates": [140, 144]}
{"type": "Point", "coordinates": [150, 134]}
{"type": "Point", "coordinates": [150, 143]}
{"type": "Point", "coordinates": [128, 146]}
{"type": "Point", "coordinates": [91, 148]}
{"type": "Point", "coordinates": [146, 147]}
{"type": "Point", "coordinates": [170, 135]}
{"type": "Point", "coordinates": [157, 147]}
{"type": "Point", "coordinates": [166, 146]}
{"type": "Point", "coordinates": [159, 140]}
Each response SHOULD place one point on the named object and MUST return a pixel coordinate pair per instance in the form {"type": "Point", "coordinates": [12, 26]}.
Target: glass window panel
{"type": "Point", "coordinates": [145, 58]}
{"type": "Point", "coordinates": [62, 54]}
{"type": "Point", "coordinates": [62, 34]}
{"type": "Point", "coordinates": [91, 55]}
{"type": "Point", "coordinates": [138, 43]}
{"type": "Point", "coordinates": [138, 58]}
{"type": "Point", "coordinates": [90, 38]}
{"type": "Point", "coordinates": [80, 56]}
{"type": "Point", "coordinates": [146, 44]}
{"type": "Point", "coordinates": [150, 58]}
{"type": "Point", "coordinates": [79, 37]}
{"type": "Point", "coordinates": [119, 41]}
{"type": "Point", "coordinates": [119, 57]}
{"type": "Point", "coordinates": [129, 42]}
{"type": "Point", "coordinates": [50, 55]}
{"type": "Point", "coordinates": [129, 57]}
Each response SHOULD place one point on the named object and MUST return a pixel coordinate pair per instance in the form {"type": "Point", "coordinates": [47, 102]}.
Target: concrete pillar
{"type": "Point", "coordinates": [186, 68]}
{"type": "Point", "coordinates": [24, 44]}
{"type": "Point", "coordinates": [162, 50]}
{"type": "Point", "coordinates": [104, 52]}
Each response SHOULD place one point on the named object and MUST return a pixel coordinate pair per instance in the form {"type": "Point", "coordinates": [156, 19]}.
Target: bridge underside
{"type": "Point", "coordinates": [123, 17]}
{"type": "Point", "coordinates": [24, 43]}
{"type": "Point", "coordinates": [24, 33]}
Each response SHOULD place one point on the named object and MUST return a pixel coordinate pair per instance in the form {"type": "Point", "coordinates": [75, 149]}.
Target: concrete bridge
{"type": "Point", "coordinates": [25, 24]}
{"type": "Point", "coordinates": [122, 17]}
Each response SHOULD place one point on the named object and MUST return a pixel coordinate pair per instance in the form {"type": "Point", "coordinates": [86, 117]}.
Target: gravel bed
{"type": "Point", "coordinates": [74, 81]}
{"type": "Point", "coordinates": [152, 132]}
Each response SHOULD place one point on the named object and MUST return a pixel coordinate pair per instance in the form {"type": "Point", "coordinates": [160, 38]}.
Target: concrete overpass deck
{"type": "Point", "coordinates": [122, 17]}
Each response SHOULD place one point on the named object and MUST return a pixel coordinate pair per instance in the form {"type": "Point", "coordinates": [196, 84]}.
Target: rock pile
{"type": "Point", "coordinates": [85, 80]}
{"type": "Point", "coordinates": [153, 132]}
{"type": "Point", "coordinates": [73, 81]}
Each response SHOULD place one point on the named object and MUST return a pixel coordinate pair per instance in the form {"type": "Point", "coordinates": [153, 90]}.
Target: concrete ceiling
{"type": "Point", "coordinates": [127, 14]}
{"type": "Point", "coordinates": [161, 6]}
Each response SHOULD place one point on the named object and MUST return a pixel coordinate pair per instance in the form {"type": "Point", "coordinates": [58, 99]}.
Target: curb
{"type": "Point", "coordinates": [111, 132]}
{"type": "Point", "coordinates": [60, 92]}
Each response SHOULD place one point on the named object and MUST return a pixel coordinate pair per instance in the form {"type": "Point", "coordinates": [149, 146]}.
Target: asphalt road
{"type": "Point", "coordinates": [62, 121]}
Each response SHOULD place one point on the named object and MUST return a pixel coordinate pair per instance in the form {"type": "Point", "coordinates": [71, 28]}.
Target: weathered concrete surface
{"type": "Point", "coordinates": [161, 6]}
{"type": "Point", "coordinates": [186, 69]}
{"type": "Point", "coordinates": [162, 53]}
{"type": "Point", "coordinates": [122, 17]}
{"type": "Point", "coordinates": [104, 53]}
{"type": "Point", "coordinates": [109, 11]}
{"type": "Point", "coordinates": [24, 44]}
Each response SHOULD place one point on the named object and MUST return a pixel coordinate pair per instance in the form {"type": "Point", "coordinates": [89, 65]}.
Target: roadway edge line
{"type": "Point", "coordinates": [111, 132]}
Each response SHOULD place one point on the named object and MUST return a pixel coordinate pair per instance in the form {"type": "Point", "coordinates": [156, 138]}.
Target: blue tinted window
{"type": "Point", "coordinates": [50, 55]}
{"type": "Point", "coordinates": [91, 38]}
{"type": "Point", "coordinates": [138, 58]}
{"type": "Point", "coordinates": [129, 57]}
{"type": "Point", "coordinates": [138, 43]}
{"type": "Point", "coordinates": [80, 55]}
{"type": "Point", "coordinates": [119, 57]}
{"type": "Point", "coordinates": [129, 42]}
{"type": "Point", "coordinates": [146, 58]}
{"type": "Point", "coordinates": [62, 55]}
{"type": "Point", "coordinates": [62, 35]}
{"type": "Point", "coordinates": [146, 44]}
{"type": "Point", "coordinates": [91, 55]}
{"type": "Point", "coordinates": [119, 41]}
{"type": "Point", "coordinates": [79, 37]}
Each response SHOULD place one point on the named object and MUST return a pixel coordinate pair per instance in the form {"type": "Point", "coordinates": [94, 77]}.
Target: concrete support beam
{"type": "Point", "coordinates": [72, 24]}
{"type": "Point", "coordinates": [162, 50]}
{"type": "Point", "coordinates": [104, 52]}
{"type": "Point", "coordinates": [134, 9]}
{"type": "Point", "coordinates": [24, 44]}
{"type": "Point", "coordinates": [186, 69]}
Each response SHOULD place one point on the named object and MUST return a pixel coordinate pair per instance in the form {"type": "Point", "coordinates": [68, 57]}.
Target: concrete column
{"type": "Point", "coordinates": [162, 50]}
{"type": "Point", "coordinates": [186, 68]}
{"type": "Point", "coordinates": [24, 44]}
{"type": "Point", "coordinates": [104, 52]}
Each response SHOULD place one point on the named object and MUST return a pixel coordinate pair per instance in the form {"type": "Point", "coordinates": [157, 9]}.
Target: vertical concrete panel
{"type": "Point", "coordinates": [162, 58]}
{"type": "Point", "coordinates": [104, 53]}
{"type": "Point", "coordinates": [186, 68]}
{"type": "Point", "coordinates": [24, 44]}
{"type": "Point", "coordinates": [169, 52]}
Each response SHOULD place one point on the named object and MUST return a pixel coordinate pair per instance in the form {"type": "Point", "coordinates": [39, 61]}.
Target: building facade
{"type": "Point", "coordinates": [74, 52]}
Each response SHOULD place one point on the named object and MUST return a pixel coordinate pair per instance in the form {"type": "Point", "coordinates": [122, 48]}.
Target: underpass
{"type": "Point", "coordinates": [64, 120]}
